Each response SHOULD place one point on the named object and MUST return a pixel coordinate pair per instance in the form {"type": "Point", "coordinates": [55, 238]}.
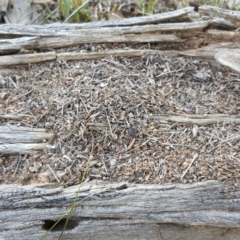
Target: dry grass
{"type": "Point", "coordinates": [91, 10]}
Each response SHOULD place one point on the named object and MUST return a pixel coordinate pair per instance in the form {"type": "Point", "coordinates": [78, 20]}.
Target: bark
{"type": "Point", "coordinates": [207, 210]}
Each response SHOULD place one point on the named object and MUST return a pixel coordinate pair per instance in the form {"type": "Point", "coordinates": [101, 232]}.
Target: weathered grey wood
{"type": "Point", "coordinates": [200, 53]}
{"type": "Point", "coordinates": [27, 58]}
{"type": "Point", "coordinates": [11, 116]}
{"type": "Point", "coordinates": [75, 29]}
{"type": "Point", "coordinates": [207, 210]}
{"type": "Point", "coordinates": [206, 54]}
{"type": "Point", "coordinates": [197, 119]}
{"type": "Point", "coordinates": [214, 36]}
{"type": "Point", "coordinates": [235, 15]}
{"type": "Point", "coordinates": [15, 45]}
{"type": "Point", "coordinates": [223, 23]}
{"type": "Point", "coordinates": [127, 30]}
{"type": "Point", "coordinates": [69, 56]}
{"type": "Point", "coordinates": [63, 37]}
{"type": "Point", "coordinates": [55, 27]}
{"type": "Point", "coordinates": [229, 59]}
{"type": "Point", "coordinates": [12, 128]}
{"type": "Point", "coordinates": [223, 45]}
{"type": "Point", "coordinates": [22, 140]}
{"type": "Point", "coordinates": [13, 134]}
{"type": "Point", "coordinates": [22, 148]}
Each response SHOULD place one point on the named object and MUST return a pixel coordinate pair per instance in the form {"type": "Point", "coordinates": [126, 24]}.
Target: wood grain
{"type": "Point", "coordinates": [22, 140]}
{"type": "Point", "coordinates": [207, 210]}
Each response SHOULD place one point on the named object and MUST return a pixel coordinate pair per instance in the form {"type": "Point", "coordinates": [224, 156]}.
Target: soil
{"type": "Point", "coordinates": [112, 120]}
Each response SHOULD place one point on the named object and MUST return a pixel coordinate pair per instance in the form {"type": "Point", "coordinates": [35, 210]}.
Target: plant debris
{"type": "Point", "coordinates": [122, 109]}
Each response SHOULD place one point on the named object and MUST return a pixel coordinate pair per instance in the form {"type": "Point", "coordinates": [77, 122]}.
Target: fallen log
{"type": "Point", "coordinates": [65, 38]}
{"type": "Point", "coordinates": [204, 210]}
{"type": "Point", "coordinates": [176, 38]}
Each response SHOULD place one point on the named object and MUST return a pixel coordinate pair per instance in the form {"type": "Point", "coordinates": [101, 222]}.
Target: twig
{"type": "Point", "coordinates": [131, 144]}
{"type": "Point", "coordinates": [105, 166]}
{"type": "Point", "coordinates": [109, 124]}
{"type": "Point", "coordinates": [53, 173]}
{"type": "Point", "coordinates": [230, 139]}
{"type": "Point", "coordinates": [18, 163]}
{"type": "Point", "coordinates": [17, 98]}
{"type": "Point", "coordinates": [194, 158]}
{"type": "Point", "coordinates": [14, 117]}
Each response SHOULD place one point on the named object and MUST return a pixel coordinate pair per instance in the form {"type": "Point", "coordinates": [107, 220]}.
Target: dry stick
{"type": "Point", "coordinates": [230, 139]}
{"type": "Point", "coordinates": [53, 173]}
{"type": "Point", "coordinates": [109, 124]}
{"type": "Point", "coordinates": [194, 158]}
{"type": "Point", "coordinates": [131, 144]}
{"type": "Point", "coordinates": [84, 106]}
{"type": "Point", "coordinates": [104, 166]}
{"type": "Point", "coordinates": [14, 117]}
{"type": "Point", "coordinates": [20, 96]}
{"type": "Point", "coordinates": [18, 163]}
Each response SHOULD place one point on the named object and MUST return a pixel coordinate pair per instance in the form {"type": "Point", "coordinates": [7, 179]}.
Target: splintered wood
{"type": "Point", "coordinates": [149, 119]}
